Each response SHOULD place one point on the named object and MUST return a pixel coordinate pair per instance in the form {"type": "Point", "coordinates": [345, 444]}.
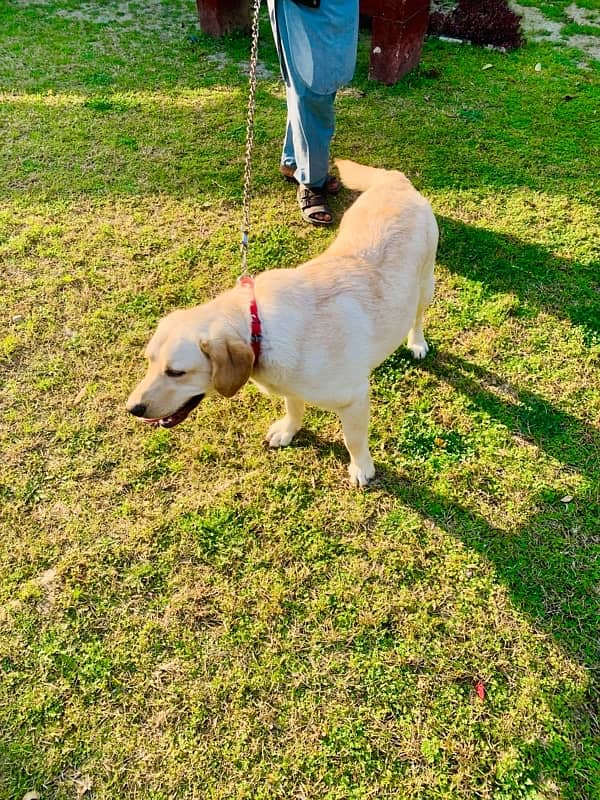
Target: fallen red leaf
{"type": "Point", "coordinates": [480, 690]}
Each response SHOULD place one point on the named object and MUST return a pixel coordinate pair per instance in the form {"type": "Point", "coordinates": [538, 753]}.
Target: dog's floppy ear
{"type": "Point", "coordinates": [231, 362]}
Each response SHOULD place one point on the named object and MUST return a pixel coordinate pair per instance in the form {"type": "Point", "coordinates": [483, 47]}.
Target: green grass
{"type": "Point", "coordinates": [575, 28]}
{"type": "Point", "coordinates": [187, 615]}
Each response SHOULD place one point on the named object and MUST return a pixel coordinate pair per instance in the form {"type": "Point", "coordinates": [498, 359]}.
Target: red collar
{"type": "Point", "coordinates": [255, 326]}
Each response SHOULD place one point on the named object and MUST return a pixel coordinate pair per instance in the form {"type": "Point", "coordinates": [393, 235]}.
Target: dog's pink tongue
{"type": "Point", "coordinates": [154, 422]}
{"type": "Point", "coordinates": [162, 422]}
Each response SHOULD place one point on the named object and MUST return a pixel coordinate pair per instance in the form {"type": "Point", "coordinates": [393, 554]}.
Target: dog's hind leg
{"type": "Point", "coordinates": [355, 424]}
{"type": "Point", "coordinates": [416, 342]}
{"type": "Point", "coordinates": [282, 432]}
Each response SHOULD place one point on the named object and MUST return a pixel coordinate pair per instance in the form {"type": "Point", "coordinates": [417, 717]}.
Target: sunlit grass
{"type": "Point", "coordinates": [187, 614]}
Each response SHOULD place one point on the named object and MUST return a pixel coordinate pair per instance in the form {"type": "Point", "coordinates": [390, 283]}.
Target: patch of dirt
{"type": "Point", "coordinates": [152, 16]}
{"type": "Point", "coordinates": [262, 72]}
{"type": "Point", "coordinates": [589, 44]}
{"type": "Point", "coordinates": [48, 583]}
{"type": "Point", "coordinates": [538, 27]}
{"type": "Point", "coordinates": [583, 16]}
{"type": "Point", "coordinates": [220, 60]}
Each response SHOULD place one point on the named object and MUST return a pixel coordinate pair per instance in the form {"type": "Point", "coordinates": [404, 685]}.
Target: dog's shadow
{"type": "Point", "coordinates": [307, 439]}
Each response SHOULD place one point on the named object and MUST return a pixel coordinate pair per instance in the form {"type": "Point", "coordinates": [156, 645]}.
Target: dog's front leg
{"type": "Point", "coordinates": [355, 424]}
{"type": "Point", "coordinates": [282, 432]}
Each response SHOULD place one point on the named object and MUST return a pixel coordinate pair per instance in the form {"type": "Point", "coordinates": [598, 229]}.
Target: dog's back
{"type": "Point", "coordinates": [382, 222]}
{"type": "Point", "coordinates": [366, 293]}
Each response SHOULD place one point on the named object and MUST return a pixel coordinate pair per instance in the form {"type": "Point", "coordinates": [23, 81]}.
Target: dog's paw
{"type": "Point", "coordinates": [418, 349]}
{"type": "Point", "coordinates": [360, 476]}
{"type": "Point", "coordinates": [280, 434]}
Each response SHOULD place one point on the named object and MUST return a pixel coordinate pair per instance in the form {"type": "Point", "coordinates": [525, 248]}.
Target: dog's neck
{"type": "Point", "coordinates": [255, 326]}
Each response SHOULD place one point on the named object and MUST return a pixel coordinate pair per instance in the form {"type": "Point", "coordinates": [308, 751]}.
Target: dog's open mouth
{"type": "Point", "coordinates": [177, 416]}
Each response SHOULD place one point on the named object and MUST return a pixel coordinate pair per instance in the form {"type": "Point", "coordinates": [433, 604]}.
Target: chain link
{"type": "Point", "coordinates": [250, 136]}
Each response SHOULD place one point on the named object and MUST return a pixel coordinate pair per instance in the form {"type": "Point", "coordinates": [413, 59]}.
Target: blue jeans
{"type": "Point", "coordinates": [310, 126]}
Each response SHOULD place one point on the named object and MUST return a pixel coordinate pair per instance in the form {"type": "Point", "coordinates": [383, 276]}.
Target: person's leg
{"type": "Point", "coordinates": [288, 156]}
{"type": "Point", "coordinates": [311, 123]}
{"type": "Point", "coordinates": [280, 36]}
{"type": "Point", "coordinates": [309, 129]}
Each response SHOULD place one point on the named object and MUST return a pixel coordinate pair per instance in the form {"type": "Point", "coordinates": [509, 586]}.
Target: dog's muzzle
{"type": "Point", "coordinates": [173, 419]}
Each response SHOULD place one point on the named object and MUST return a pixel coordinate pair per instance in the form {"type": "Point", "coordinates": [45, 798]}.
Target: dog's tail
{"type": "Point", "coordinates": [359, 177]}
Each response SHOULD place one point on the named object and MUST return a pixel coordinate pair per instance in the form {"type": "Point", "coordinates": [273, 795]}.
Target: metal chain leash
{"type": "Point", "coordinates": [249, 137]}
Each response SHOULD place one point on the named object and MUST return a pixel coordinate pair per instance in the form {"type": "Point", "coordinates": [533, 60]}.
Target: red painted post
{"type": "Point", "coordinates": [218, 17]}
{"type": "Point", "coordinates": [398, 32]}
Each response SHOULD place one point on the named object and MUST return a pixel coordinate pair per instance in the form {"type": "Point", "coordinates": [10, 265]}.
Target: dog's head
{"type": "Point", "coordinates": [189, 356]}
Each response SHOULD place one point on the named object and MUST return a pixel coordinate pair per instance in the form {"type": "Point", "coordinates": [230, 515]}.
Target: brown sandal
{"type": "Point", "coordinates": [313, 202]}
{"type": "Point", "coordinates": [333, 184]}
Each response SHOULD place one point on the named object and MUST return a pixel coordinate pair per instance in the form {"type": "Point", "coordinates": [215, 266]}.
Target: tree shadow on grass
{"type": "Point", "coordinates": [547, 578]}
{"type": "Point", "coordinates": [503, 263]}
{"type": "Point", "coordinates": [548, 563]}
{"type": "Point", "coordinates": [524, 413]}
{"type": "Point", "coordinates": [154, 148]}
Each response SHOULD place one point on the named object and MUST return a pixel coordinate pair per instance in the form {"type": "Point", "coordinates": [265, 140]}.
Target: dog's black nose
{"type": "Point", "coordinates": [138, 410]}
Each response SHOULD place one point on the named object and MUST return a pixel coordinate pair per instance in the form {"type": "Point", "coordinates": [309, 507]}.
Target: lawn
{"type": "Point", "coordinates": [185, 614]}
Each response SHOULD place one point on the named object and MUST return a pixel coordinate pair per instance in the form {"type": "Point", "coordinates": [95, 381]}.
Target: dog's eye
{"type": "Point", "coordinates": [174, 373]}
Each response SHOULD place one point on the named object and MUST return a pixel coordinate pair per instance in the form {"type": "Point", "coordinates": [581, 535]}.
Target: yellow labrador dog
{"type": "Point", "coordinates": [311, 334]}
